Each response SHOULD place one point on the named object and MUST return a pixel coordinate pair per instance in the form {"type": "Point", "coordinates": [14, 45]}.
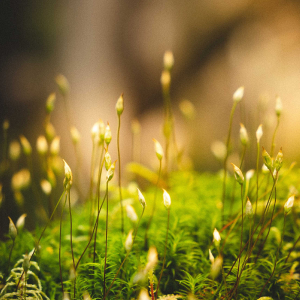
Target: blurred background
{"type": "Point", "coordinates": [106, 48]}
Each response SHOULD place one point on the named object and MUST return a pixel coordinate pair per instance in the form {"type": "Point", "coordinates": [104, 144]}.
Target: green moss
{"type": "Point", "coordinates": [195, 213]}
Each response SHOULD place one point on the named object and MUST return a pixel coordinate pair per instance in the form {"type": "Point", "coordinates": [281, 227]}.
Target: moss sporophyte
{"type": "Point", "coordinates": [214, 245]}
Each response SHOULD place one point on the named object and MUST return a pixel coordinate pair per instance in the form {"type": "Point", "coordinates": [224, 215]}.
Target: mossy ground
{"type": "Point", "coordinates": [195, 211]}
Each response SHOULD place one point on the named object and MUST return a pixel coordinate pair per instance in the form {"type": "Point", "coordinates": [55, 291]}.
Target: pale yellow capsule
{"type": "Point", "coordinates": [41, 145]}
{"type": "Point", "coordinates": [289, 204]}
{"type": "Point", "coordinates": [27, 149]}
{"type": "Point", "coordinates": [120, 105]}
{"type": "Point", "coordinates": [158, 149]}
{"type": "Point", "coordinates": [167, 199]}
{"type": "Point", "coordinates": [129, 241]}
{"type": "Point", "coordinates": [68, 176]}
{"type": "Point", "coordinates": [259, 133]}
{"type": "Point", "coordinates": [168, 60]}
{"type": "Point", "coordinates": [238, 94]}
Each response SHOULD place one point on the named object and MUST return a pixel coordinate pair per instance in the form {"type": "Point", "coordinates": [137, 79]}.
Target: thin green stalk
{"type": "Point", "coordinates": [273, 147]}
{"type": "Point", "coordinates": [42, 233]}
{"type": "Point", "coordinates": [127, 254]}
{"type": "Point", "coordinates": [260, 232]}
{"type": "Point", "coordinates": [98, 200]}
{"type": "Point", "coordinates": [257, 175]}
{"type": "Point", "coordinates": [273, 138]}
{"type": "Point", "coordinates": [92, 171]}
{"type": "Point", "coordinates": [106, 230]}
{"type": "Point", "coordinates": [59, 250]}
{"type": "Point", "coordinates": [92, 199]}
{"type": "Point", "coordinates": [119, 159]}
{"type": "Point", "coordinates": [247, 258]}
{"type": "Point", "coordinates": [92, 234]}
{"type": "Point", "coordinates": [277, 252]}
{"type": "Point", "coordinates": [267, 183]}
{"type": "Point", "coordinates": [71, 231]}
{"type": "Point", "coordinates": [262, 220]}
{"type": "Point", "coordinates": [91, 237]}
{"type": "Point", "coordinates": [225, 160]}
{"type": "Point", "coordinates": [78, 164]}
{"type": "Point", "coordinates": [250, 239]}
{"type": "Point", "coordinates": [234, 183]}
{"type": "Point", "coordinates": [101, 162]}
{"type": "Point", "coordinates": [71, 240]}
{"type": "Point", "coordinates": [242, 229]}
{"type": "Point", "coordinates": [240, 253]}
{"type": "Point", "coordinates": [263, 243]}
{"type": "Point", "coordinates": [251, 249]}
{"type": "Point", "coordinates": [154, 205]}
{"type": "Point", "coordinates": [99, 209]}
{"type": "Point", "coordinates": [167, 124]}
{"type": "Point", "coordinates": [165, 252]}
{"type": "Point", "coordinates": [254, 231]}
{"type": "Point", "coordinates": [169, 130]}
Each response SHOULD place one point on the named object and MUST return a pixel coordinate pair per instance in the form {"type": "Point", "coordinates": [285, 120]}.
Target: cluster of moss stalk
{"type": "Point", "coordinates": [226, 276]}
{"type": "Point", "coordinates": [258, 225]}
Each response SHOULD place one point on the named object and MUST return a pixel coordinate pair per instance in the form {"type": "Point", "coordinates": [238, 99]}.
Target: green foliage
{"type": "Point", "coordinates": [256, 257]}
{"type": "Point", "coordinates": [23, 285]}
{"type": "Point", "coordinates": [194, 214]}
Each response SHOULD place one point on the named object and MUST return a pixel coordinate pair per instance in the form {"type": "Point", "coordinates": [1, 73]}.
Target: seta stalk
{"type": "Point", "coordinates": [127, 254]}
{"type": "Point", "coordinates": [119, 109]}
